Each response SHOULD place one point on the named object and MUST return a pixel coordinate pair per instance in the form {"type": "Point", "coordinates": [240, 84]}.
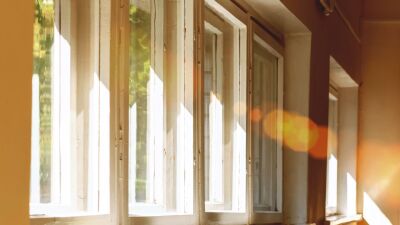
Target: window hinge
{"type": "Point", "coordinates": [120, 133]}
{"type": "Point", "coordinates": [120, 142]}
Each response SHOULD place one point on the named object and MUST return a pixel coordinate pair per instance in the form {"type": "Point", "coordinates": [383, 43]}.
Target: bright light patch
{"type": "Point", "coordinates": [299, 132]}
{"type": "Point", "coordinates": [372, 214]}
{"type": "Point", "coordinates": [351, 193]}
{"type": "Point", "coordinates": [332, 183]}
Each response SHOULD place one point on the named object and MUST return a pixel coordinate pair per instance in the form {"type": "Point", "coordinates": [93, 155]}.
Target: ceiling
{"type": "Point", "coordinates": [275, 12]}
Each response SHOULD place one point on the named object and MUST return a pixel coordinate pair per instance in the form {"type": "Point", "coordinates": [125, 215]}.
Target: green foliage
{"type": "Point", "coordinates": [140, 47]}
{"type": "Point", "coordinates": [43, 42]}
{"type": "Point", "coordinates": [139, 51]}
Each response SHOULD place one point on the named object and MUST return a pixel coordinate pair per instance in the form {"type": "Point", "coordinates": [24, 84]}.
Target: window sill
{"type": "Point", "coordinates": [98, 219]}
{"type": "Point", "coordinates": [267, 217]}
{"type": "Point", "coordinates": [226, 217]}
{"type": "Point", "coordinates": [341, 219]}
{"type": "Point", "coordinates": [80, 215]}
{"type": "Point", "coordinates": [163, 220]}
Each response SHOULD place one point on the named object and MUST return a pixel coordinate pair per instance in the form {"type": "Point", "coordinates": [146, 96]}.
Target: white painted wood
{"type": "Point", "coordinates": [296, 100]}
{"type": "Point", "coordinates": [347, 95]}
{"type": "Point", "coordinates": [332, 165]}
{"type": "Point", "coordinates": [35, 142]}
{"type": "Point", "coordinates": [55, 109]}
{"type": "Point", "coordinates": [170, 123]}
{"type": "Point", "coordinates": [78, 161]}
{"type": "Point", "coordinates": [225, 129]}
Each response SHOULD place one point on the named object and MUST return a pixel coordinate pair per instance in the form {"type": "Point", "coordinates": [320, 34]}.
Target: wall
{"type": "Point", "coordinates": [379, 150]}
{"type": "Point", "coordinates": [330, 37]}
{"type": "Point", "coordinates": [16, 38]}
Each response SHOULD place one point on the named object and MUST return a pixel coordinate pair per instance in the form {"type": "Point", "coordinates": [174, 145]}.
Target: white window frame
{"type": "Point", "coordinates": [119, 117]}
{"type": "Point", "coordinates": [345, 90]}
{"type": "Point", "coordinates": [332, 159]}
{"type": "Point", "coordinates": [218, 191]}
{"type": "Point", "coordinates": [264, 38]}
{"type": "Point", "coordinates": [230, 194]}
{"type": "Point", "coordinates": [156, 123]}
{"type": "Point", "coordinates": [185, 54]}
{"type": "Point", "coordinates": [231, 12]}
{"type": "Point", "coordinates": [64, 71]}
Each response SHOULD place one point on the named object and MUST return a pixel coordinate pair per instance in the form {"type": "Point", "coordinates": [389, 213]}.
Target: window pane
{"type": "Point", "coordinates": [332, 169]}
{"type": "Point", "coordinates": [264, 101]}
{"type": "Point", "coordinates": [140, 42]}
{"type": "Point", "coordinates": [160, 109]}
{"type": "Point", "coordinates": [70, 111]}
{"type": "Point", "coordinates": [224, 113]}
{"type": "Point", "coordinates": [42, 102]}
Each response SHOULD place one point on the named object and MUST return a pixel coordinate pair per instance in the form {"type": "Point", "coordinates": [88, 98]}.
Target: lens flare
{"type": "Point", "coordinates": [295, 131]}
{"type": "Point", "coordinates": [256, 115]}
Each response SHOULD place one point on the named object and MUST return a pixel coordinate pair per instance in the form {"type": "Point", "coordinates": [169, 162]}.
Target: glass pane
{"type": "Point", "coordinates": [42, 102]}
{"type": "Point", "coordinates": [70, 112]}
{"type": "Point", "coordinates": [140, 42]}
{"type": "Point", "coordinates": [224, 113]}
{"type": "Point", "coordinates": [264, 101]}
{"type": "Point", "coordinates": [332, 173]}
{"type": "Point", "coordinates": [160, 110]}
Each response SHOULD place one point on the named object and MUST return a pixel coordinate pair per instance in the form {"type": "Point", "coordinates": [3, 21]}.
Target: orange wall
{"type": "Point", "coordinates": [379, 152]}
{"type": "Point", "coordinates": [330, 37]}
{"type": "Point", "coordinates": [16, 25]}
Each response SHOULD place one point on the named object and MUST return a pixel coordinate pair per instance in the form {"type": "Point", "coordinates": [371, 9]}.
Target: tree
{"type": "Point", "coordinates": [42, 53]}
{"type": "Point", "coordinates": [139, 51]}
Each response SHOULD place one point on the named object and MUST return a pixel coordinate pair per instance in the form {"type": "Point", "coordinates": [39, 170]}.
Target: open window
{"type": "Point", "coordinates": [70, 173]}
{"type": "Point", "coordinates": [161, 167]}
{"type": "Point", "coordinates": [265, 117]}
{"type": "Point", "coordinates": [224, 99]}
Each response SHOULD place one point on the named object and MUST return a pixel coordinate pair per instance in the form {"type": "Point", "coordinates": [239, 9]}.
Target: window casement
{"type": "Point", "coordinates": [70, 161]}
{"type": "Point", "coordinates": [332, 162]}
{"type": "Point", "coordinates": [161, 113]}
{"type": "Point", "coordinates": [159, 142]}
{"type": "Point", "coordinates": [265, 117]}
{"type": "Point", "coordinates": [341, 185]}
{"type": "Point", "coordinates": [224, 111]}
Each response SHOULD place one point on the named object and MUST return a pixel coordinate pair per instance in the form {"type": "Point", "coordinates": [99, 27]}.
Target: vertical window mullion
{"type": "Point", "coordinates": [55, 112]}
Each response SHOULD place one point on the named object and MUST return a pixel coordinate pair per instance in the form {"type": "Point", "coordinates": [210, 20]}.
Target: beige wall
{"type": "Point", "coordinates": [16, 23]}
{"type": "Point", "coordinates": [379, 150]}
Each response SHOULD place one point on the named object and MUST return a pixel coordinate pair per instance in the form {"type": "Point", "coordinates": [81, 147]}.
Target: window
{"type": "Point", "coordinates": [341, 187]}
{"type": "Point", "coordinates": [70, 113]}
{"type": "Point", "coordinates": [332, 169]}
{"type": "Point", "coordinates": [266, 115]}
{"type": "Point", "coordinates": [158, 103]}
{"type": "Point", "coordinates": [224, 111]}
{"type": "Point", "coordinates": [160, 108]}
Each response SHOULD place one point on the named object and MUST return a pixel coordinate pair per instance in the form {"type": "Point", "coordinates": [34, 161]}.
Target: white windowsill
{"type": "Point", "coordinates": [175, 219]}
{"type": "Point", "coordinates": [341, 219]}
{"type": "Point", "coordinates": [81, 215]}
{"type": "Point", "coordinates": [72, 220]}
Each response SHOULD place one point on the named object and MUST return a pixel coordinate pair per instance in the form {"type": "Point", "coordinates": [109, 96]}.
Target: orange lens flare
{"type": "Point", "coordinates": [256, 115]}
{"type": "Point", "coordinates": [296, 132]}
